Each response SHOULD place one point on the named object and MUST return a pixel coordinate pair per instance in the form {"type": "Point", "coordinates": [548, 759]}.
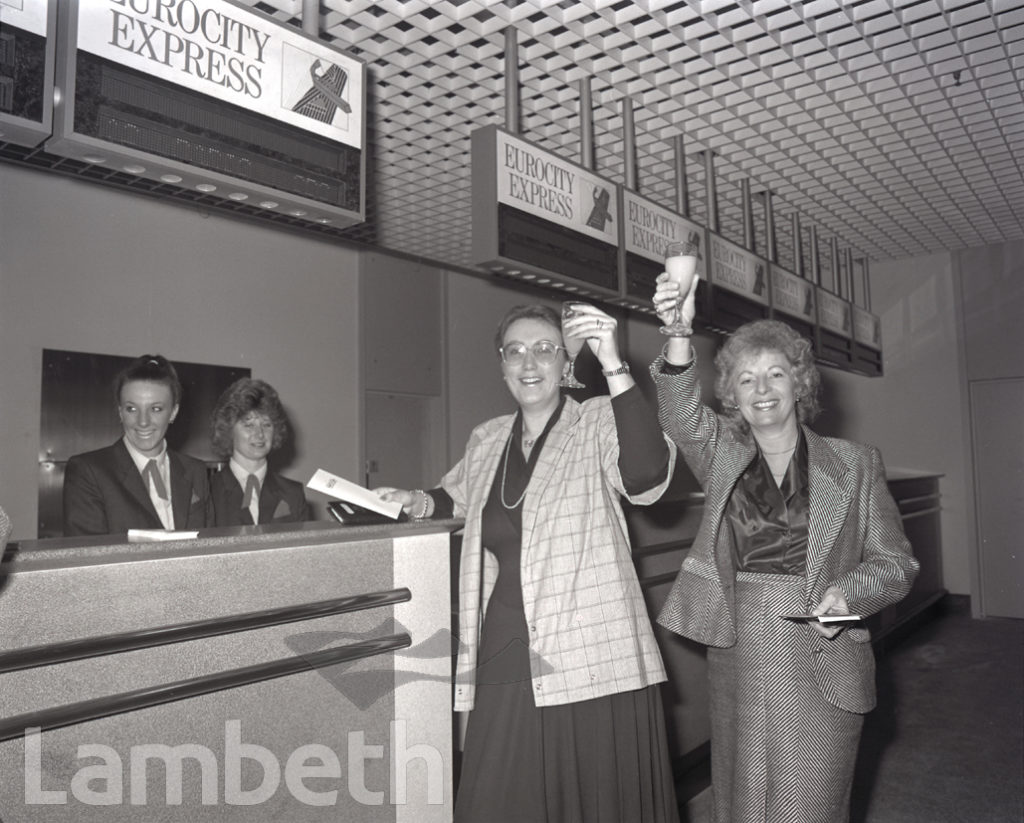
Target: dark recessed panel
{"type": "Point", "coordinates": [548, 247]}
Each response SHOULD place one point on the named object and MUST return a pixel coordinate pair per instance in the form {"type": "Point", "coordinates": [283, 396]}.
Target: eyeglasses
{"type": "Point", "coordinates": [544, 352]}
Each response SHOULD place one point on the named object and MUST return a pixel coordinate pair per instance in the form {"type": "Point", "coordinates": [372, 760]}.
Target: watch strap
{"type": "Point", "coordinates": [623, 369]}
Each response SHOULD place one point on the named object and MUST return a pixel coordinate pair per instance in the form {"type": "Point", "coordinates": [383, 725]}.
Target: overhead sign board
{"type": "Point", "coordinates": [792, 294]}
{"type": "Point", "coordinates": [738, 270]}
{"type": "Point", "coordinates": [210, 96]}
{"type": "Point", "coordinates": [867, 328]}
{"type": "Point", "coordinates": [540, 217]}
{"type": "Point", "coordinates": [229, 53]}
{"type": "Point", "coordinates": [834, 313]}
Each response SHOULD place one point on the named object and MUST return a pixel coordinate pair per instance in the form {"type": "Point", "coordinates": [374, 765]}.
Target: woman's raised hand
{"type": "Point", "coordinates": [599, 329]}
{"type": "Point", "coordinates": [667, 297]}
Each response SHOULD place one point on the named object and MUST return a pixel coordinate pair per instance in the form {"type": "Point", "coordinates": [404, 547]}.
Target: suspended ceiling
{"type": "Point", "coordinates": [894, 126]}
{"type": "Point", "coordinates": [890, 128]}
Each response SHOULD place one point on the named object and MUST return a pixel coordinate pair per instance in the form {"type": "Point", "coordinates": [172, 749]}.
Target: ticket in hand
{"type": "Point", "coordinates": [823, 618]}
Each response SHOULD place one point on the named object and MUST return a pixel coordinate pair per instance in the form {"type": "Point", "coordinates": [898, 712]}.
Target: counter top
{"type": "Point", "coordinates": [910, 474]}
{"type": "Point", "coordinates": [52, 552]}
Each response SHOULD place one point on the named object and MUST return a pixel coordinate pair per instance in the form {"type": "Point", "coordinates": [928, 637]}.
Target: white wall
{"type": "Point", "coordinates": [86, 268]}
{"type": "Point", "coordinates": [990, 284]}
{"type": "Point", "coordinates": [915, 412]}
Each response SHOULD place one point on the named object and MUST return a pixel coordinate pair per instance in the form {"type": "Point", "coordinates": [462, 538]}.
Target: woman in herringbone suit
{"type": "Point", "coordinates": [557, 656]}
{"type": "Point", "coordinates": [793, 524]}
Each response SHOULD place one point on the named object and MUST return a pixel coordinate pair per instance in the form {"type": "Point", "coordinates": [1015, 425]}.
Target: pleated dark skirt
{"type": "Point", "coordinates": [780, 753]}
{"type": "Point", "coordinates": [596, 761]}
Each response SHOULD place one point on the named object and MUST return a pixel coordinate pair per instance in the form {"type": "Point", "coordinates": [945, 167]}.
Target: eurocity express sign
{"type": "Point", "coordinates": [738, 270]}
{"type": "Point", "coordinates": [554, 189]}
{"type": "Point", "coordinates": [792, 294]}
{"type": "Point", "coordinates": [542, 218]}
{"type": "Point", "coordinates": [226, 52]}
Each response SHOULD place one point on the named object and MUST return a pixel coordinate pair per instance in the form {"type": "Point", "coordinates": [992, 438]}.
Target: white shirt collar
{"type": "Point", "coordinates": [141, 459]}
{"type": "Point", "coordinates": [241, 474]}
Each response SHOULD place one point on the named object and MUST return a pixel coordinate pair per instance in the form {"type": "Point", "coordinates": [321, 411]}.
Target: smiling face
{"type": "Point", "coordinates": [146, 409]}
{"type": "Point", "coordinates": [765, 390]}
{"type": "Point", "coordinates": [534, 385]}
{"type": "Point", "coordinates": [252, 438]}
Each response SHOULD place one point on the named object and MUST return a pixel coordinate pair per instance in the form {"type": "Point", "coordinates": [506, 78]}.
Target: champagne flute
{"type": "Point", "coordinates": [681, 265]}
{"type": "Point", "coordinates": [573, 346]}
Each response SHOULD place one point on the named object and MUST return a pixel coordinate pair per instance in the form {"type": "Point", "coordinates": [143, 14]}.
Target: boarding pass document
{"type": "Point", "coordinates": [339, 487]}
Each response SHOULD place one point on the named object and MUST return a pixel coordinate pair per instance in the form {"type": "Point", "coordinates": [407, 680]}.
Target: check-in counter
{"type": "Point", "coordinates": [663, 533]}
{"type": "Point", "coordinates": [253, 674]}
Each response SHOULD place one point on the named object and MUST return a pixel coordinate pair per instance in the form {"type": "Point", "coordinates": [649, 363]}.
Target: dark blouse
{"type": "Point", "coordinates": [768, 523]}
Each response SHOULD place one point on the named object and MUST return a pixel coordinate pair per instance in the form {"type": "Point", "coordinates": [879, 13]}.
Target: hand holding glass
{"type": "Point", "coordinates": [573, 346]}
{"type": "Point", "coordinates": [681, 265]}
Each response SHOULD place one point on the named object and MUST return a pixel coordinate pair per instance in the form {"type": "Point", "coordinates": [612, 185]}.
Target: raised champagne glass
{"type": "Point", "coordinates": [573, 346]}
{"type": "Point", "coordinates": [681, 265]}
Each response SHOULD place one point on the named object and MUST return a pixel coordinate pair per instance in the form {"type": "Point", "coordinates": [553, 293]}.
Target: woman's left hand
{"type": "Point", "coordinates": [832, 602]}
{"type": "Point", "coordinates": [599, 329]}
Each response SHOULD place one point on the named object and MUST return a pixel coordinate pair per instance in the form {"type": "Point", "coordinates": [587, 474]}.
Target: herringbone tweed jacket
{"type": "Point", "coordinates": [855, 538]}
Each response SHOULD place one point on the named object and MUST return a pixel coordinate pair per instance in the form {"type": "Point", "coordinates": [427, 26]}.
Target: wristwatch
{"type": "Point", "coordinates": [623, 369]}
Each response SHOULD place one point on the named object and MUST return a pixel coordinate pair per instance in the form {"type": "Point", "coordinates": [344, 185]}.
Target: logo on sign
{"type": "Point", "coordinates": [324, 97]}
{"type": "Point", "coordinates": [599, 213]}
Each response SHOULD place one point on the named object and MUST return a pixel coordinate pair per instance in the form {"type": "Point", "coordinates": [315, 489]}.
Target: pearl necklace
{"type": "Point", "coordinates": [504, 474]}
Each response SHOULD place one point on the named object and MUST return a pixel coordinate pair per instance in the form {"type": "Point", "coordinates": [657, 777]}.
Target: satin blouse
{"type": "Point", "coordinates": [768, 523]}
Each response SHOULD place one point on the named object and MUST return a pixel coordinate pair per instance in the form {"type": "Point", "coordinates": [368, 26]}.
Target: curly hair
{"type": "Point", "coordinates": [150, 368]}
{"type": "Point", "coordinates": [545, 314]}
{"type": "Point", "coordinates": [242, 397]}
{"type": "Point", "coordinates": [767, 335]}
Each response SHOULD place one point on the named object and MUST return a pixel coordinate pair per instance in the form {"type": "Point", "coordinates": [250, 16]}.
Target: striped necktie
{"type": "Point", "coordinates": [151, 474]}
{"type": "Point", "coordinates": [252, 491]}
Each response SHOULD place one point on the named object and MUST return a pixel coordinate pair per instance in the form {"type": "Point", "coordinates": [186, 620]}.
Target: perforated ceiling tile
{"type": "Point", "coordinates": [894, 126]}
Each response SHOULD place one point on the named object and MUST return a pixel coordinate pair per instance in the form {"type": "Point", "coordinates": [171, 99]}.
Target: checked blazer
{"type": "Point", "coordinates": [590, 631]}
{"type": "Point", "coordinates": [855, 539]}
{"type": "Point", "coordinates": [105, 494]}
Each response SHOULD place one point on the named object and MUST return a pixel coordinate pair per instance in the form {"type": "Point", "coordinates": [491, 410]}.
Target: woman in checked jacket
{"type": "Point", "coordinates": [558, 665]}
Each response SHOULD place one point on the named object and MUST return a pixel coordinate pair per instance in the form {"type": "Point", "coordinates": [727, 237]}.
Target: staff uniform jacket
{"type": "Point", "coordinates": [104, 493]}
{"type": "Point", "coordinates": [590, 632]}
{"type": "Point", "coordinates": [855, 538]}
{"type": "Point", "coordinates": [281, 500]}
